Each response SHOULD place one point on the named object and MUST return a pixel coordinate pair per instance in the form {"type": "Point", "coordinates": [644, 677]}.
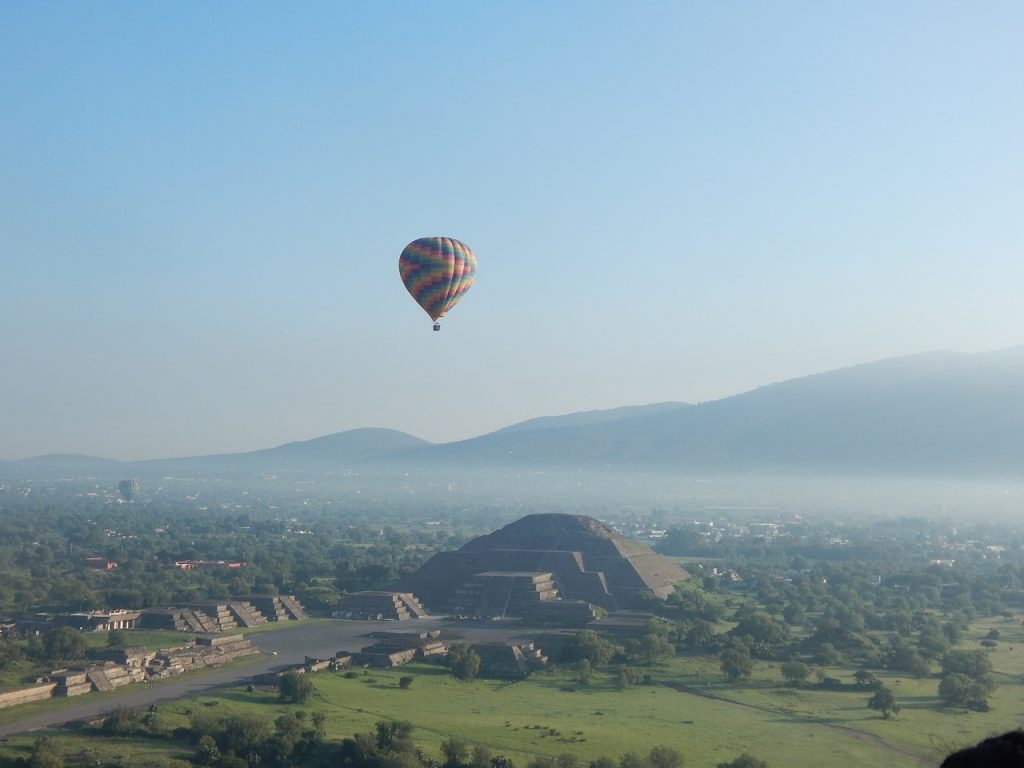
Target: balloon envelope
{"type": "Point", "coordinates": [128, 488]}
{"type": "Point", "coordinates": [437, 271]}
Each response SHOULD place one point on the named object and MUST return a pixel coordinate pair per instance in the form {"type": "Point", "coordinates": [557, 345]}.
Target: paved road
{"type": "Point", "coordinates": [291, 644]}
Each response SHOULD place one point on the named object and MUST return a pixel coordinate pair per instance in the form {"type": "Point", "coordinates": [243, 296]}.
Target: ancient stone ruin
{"type": "Point", "coordinates": [369, 604]}
{"type": "Point", "coordinates": [509, 661]}
{"type": "Point", "coordinates": [546, 567]}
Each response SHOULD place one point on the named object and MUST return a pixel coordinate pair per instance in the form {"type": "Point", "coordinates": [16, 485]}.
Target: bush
{"type": "Point", "coordinates": [884, 701]}
{"type": "Point", "coordinates": [744, 761]}
{"type": "Point", "coordinates": [974, 664]}
{"type": "Point", "coordinates": [295, 687]}
{"type": "Point", "coordinates": [795, 672]}
{"type": "Point", "coordinates": [463, 661]}
{"type": "Point", "coordinates": [957, 689]}
{"type": "Point", "coordinates": [123, 721]}
{"type": "Point", "coordinates": [595, 647]}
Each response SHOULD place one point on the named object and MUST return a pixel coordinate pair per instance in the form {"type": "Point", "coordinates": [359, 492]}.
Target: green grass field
{"type": "Point", "coordinates": [690, 708]}
{"type": "Point", "coordinates": [550, 714]}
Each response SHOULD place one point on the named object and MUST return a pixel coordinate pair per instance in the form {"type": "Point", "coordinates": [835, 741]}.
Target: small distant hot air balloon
{"type": "Point", "coordinates": [437, 271]}
{"type": "Point", "coordinates": [128, 488]}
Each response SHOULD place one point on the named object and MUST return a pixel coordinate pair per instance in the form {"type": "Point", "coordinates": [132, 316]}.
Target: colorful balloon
{"type": "Point", "coordinates": [128, 488]}
{"type": "Point", "coordinates": [437, 271]}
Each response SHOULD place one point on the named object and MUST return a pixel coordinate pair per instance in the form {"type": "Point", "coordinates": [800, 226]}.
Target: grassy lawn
{"type": "Point", "coordinates": [81, 748]}
{"type": "Point", "coordinates": [690, 708]}
{"type": "Point", "coordinates": [546, 715]}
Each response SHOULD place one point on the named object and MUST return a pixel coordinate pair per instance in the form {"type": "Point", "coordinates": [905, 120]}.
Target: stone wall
{"type": "Point", "coordinates": [25, 695]}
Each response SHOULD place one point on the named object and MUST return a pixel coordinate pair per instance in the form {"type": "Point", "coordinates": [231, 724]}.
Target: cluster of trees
{"type": "Point", "coordinates": [391, 746]}
{"type": "Point", "coordinates": [240, 741]}
{"type": "Point", "coordinates": [885, 612]}
{"type": "Point", "coordinates": [232, 741]}
{"type": "Point", "coordinates": [61, 646]}
{"type": "Point", "coordinates": [244, 741]}
{"type": "Point", "coordinates": [869, 597]}
{"type": "Point", "coordinates": [287, 547]}
{"type": "Point", "coordinates": [967, 681]}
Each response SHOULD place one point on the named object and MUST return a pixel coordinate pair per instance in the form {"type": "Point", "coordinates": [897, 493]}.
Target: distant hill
{"type": "Point", "coordinates": [338, 451]}
{"type": "Point", "coordinates": [584, 418]}
{"type": "Point", "coordinates": [936, 413]}
{"type": "Point", "coordinates": [60, 464]}
{"type": "Point", "coordinates": [933, 412]}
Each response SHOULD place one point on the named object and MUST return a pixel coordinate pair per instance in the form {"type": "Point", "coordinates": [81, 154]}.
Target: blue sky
{"type": "Point", "coordinates": [202, 207]}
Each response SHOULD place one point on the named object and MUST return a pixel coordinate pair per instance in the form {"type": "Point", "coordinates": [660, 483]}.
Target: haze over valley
{"type": "Point", "coordinates": [930, 433]}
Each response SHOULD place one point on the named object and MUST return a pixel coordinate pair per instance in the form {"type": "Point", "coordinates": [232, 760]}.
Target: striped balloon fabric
{"type": "Point", "coordinates": [128, 488]}
{"type": "Point", "coordinates": [437, 271]}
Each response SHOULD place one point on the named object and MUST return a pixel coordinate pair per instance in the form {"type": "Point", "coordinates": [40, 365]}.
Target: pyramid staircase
{"type": "Point", "coordinates": [245, 615]}
{"type": "Point", "coordinates": [295, 611]}
{"type": "Point", "coordinates": [274, 607]}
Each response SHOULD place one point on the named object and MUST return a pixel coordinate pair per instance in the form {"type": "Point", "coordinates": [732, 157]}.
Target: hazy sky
{"type": "Point", "coordinates": [202, 207]}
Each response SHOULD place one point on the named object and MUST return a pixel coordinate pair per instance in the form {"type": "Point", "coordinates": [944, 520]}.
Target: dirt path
{"type": "Point", "coordinates": [856, 733]}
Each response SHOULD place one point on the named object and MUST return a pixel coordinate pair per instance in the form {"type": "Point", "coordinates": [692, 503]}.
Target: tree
{"type": "Point", "coordinates": [123, 721]}
{"type": "Point", "coordinates": [394, 736]}
{"type": "Point", "coordinates": [932, 643]}
{"type": "Point", "coordinates": [295, 687]}
{"type": "Point", "coordinates": [463, 661]}
{"type": "Point", "coordinates": [584, 672]}
{"type": "Point", "coordinates": [593, 646]}
{"type": "Point", "coordinates": [827, 654]}
{"type": "Point", "coordinates": [957, 689]}
{"type": "Point", "coordinates": [793, 614]}
{"type": "Point", "coordinates": [653, 644]}
{"type": "Point", "coordinates": [701, 633]}
{"type": "Point", "coordinates": [46, 753]}
{"type": "Point", "coordinates": [952, 632]}
{"type": "Point", "coordinates": [744, 761]}
{"type": "Point", "coordinates": [207, 751]}
{"type": "Point", "coordinates": [64, 644]}
{"type": "Point", "coordinates": [320, 724]}
{"type": "Point", "coordinates": [454, 752]}
{"type": "Point", "coordinates": [117, 639]}
{"type": "Point", "coordinates": [974, 664]}
{"type": "Point", "coordinates": [905, 658]}
{"type": "Point", "coordinates": [481, 757]}
{"type": "Point", "coordinates": [884, 701]}
{"type": "Point", "coordinates": [243, 735]}
{"type": "Point", "coordinates": [405, 681]}
{"type": "Point", "coordinates": [762, 627]}
{"type": "Point", "coordinates": [865, 679]}
{"type": "Point", "coordinates": [664, 757]}
{"type": "Point", "coordinates": [9, 653]}
{"type": "Point", "coordinates": [626, 676]}
{"type": "Point", "coordinates": [656, 645]}
{"type": "Point", "coordinates": [735, 662]}
{"type": "Point", "coordinates": [795, 672]}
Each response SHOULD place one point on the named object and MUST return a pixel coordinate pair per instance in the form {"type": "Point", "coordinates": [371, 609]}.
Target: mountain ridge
{"type": "Point", "coordinates": [932, 412]}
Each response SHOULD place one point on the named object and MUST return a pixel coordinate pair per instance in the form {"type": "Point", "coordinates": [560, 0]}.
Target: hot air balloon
{"type": "Point", "coordinates": [437, 271]}
{"type": "Point", "coordinates": [128, 488]}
